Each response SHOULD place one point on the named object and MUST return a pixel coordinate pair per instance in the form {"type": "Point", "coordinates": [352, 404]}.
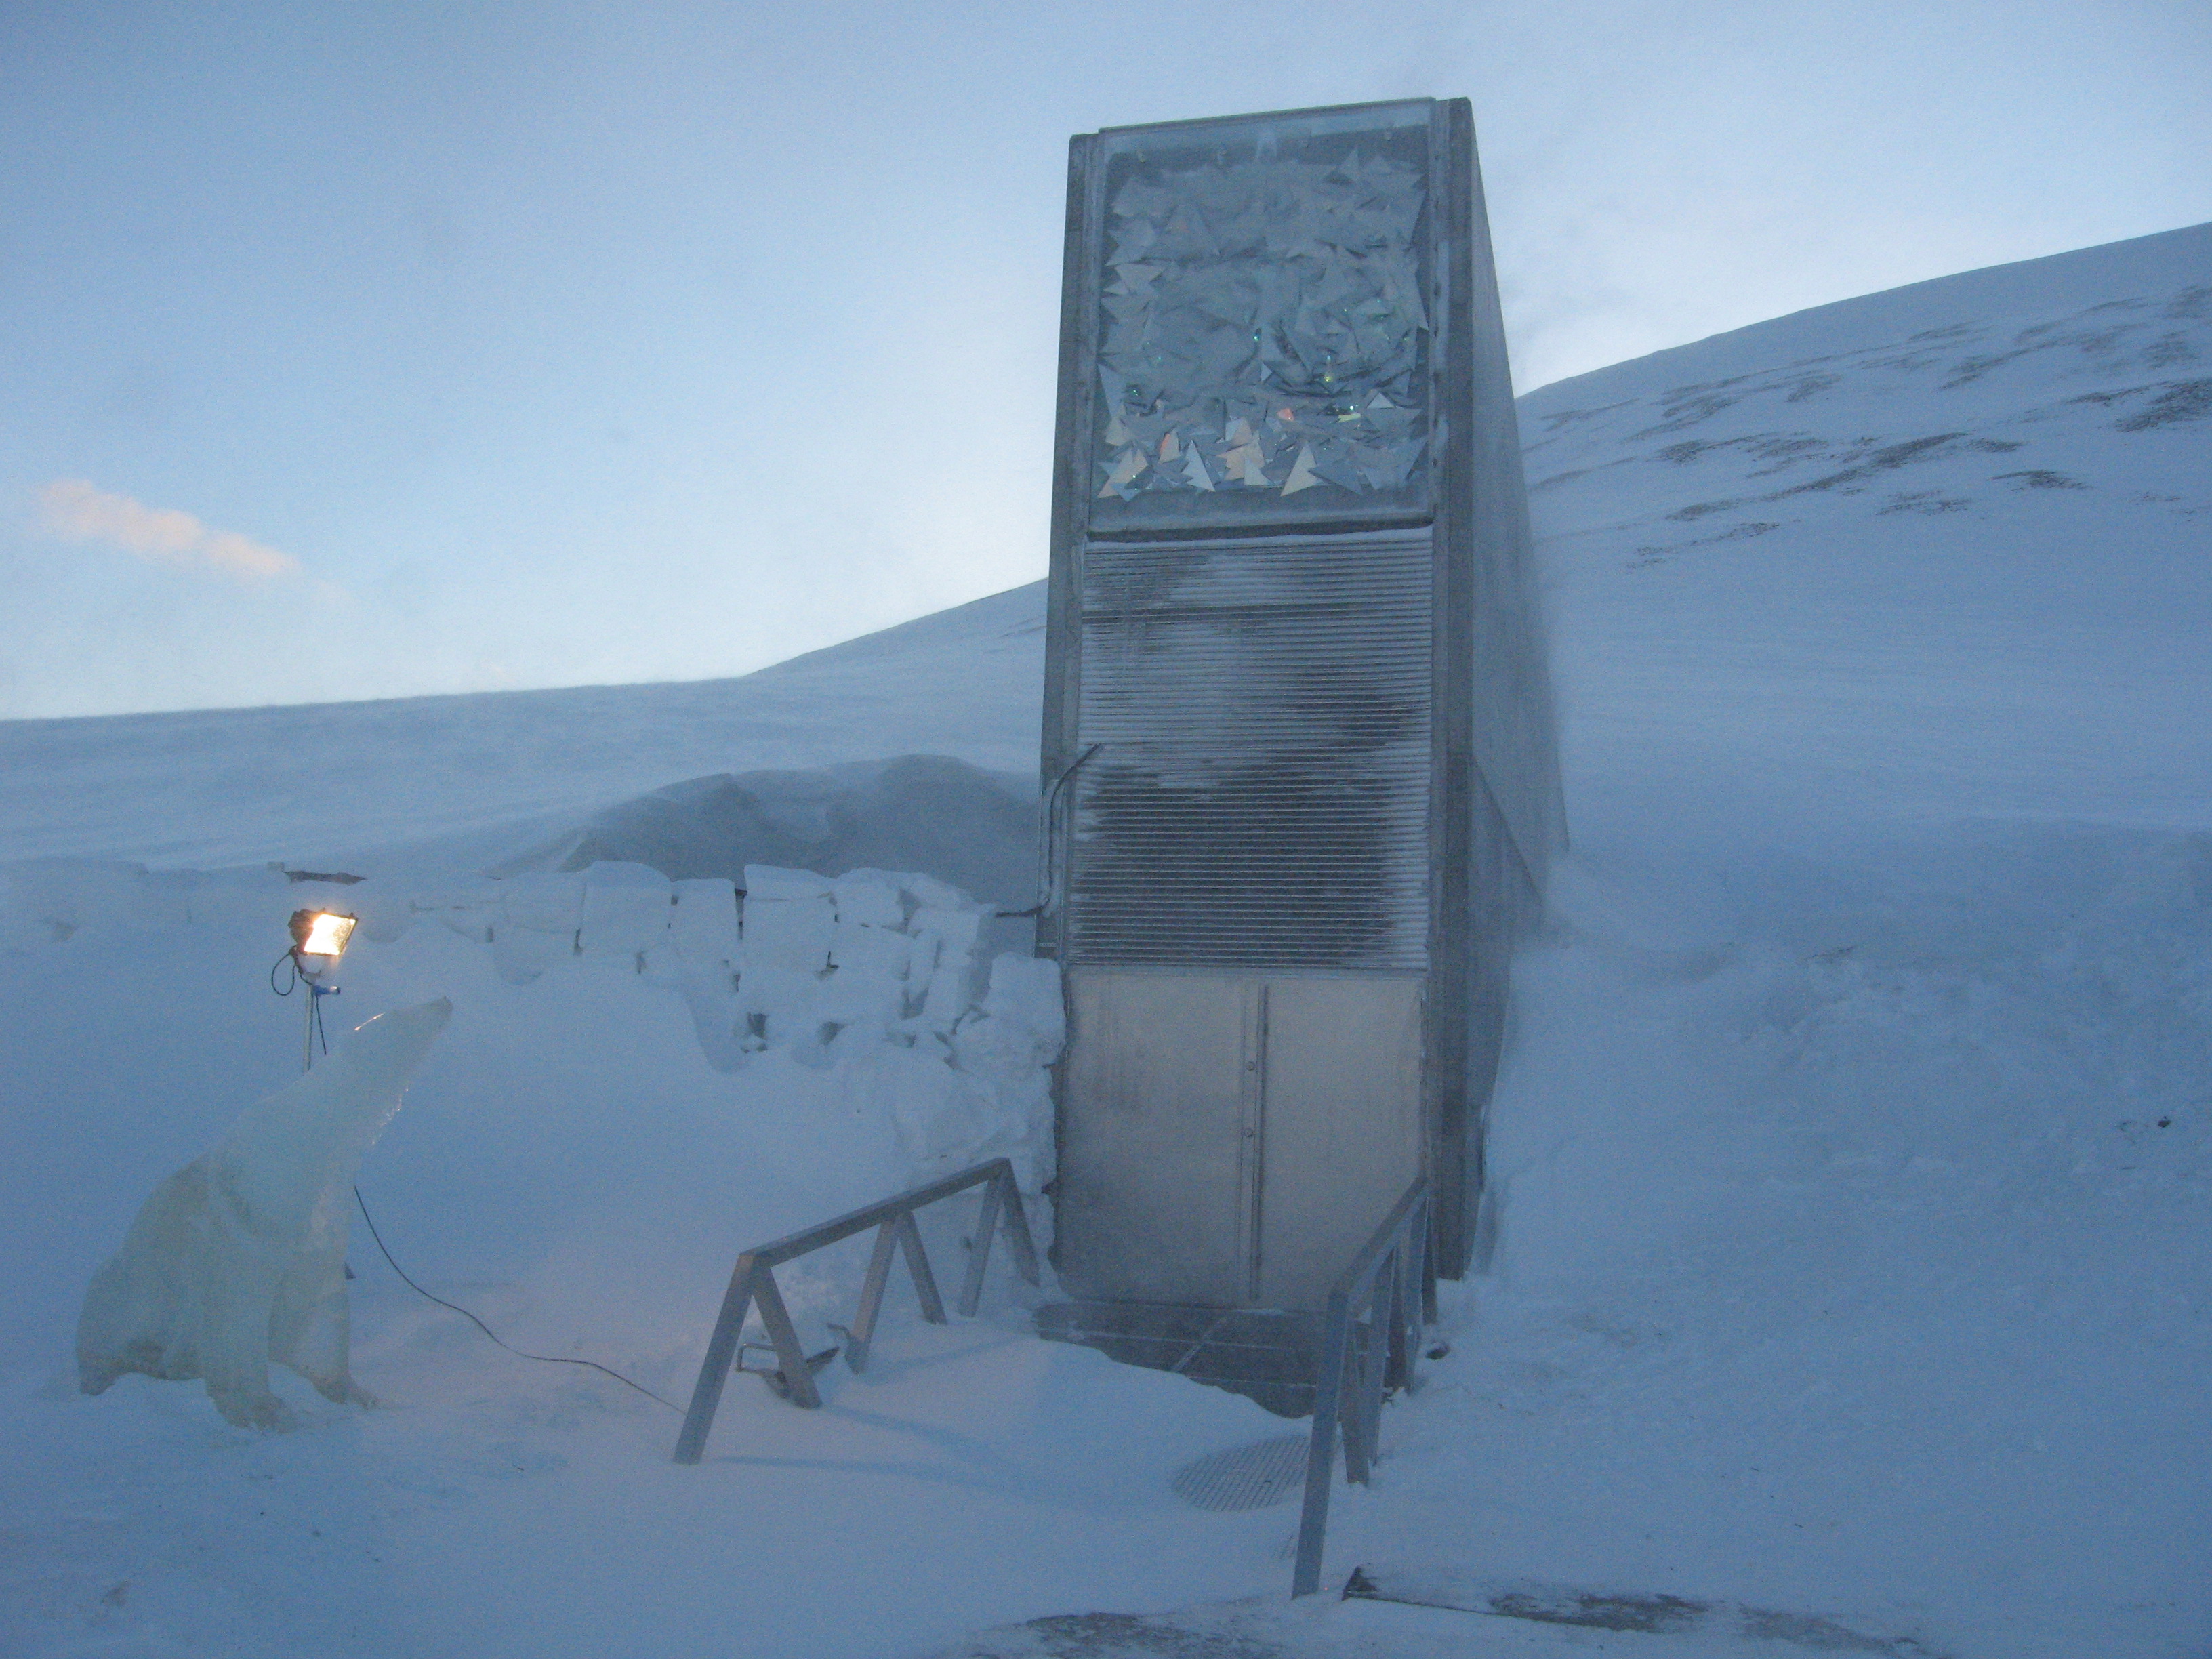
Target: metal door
{"type": "Point", "coordinates": [1159, 1172]}
{"type": "Point", "coordinates": [1239, 1134]}
{"type": "Point", "coordinates": [1340, 1124]}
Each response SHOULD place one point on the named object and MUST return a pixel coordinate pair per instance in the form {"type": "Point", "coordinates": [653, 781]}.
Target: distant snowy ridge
{"type": "Point", "coordinates": [1938, 550]}
{"type": "Point", "coordinates": [1924, 397]}
{"type": "Point", "coordinates": [322, 783]}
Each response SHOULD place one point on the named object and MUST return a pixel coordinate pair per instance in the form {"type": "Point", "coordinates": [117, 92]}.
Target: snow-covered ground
{"type": "Point", "coordinates": [1854, 1150]}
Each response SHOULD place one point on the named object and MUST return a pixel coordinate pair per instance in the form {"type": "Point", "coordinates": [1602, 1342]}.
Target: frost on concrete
{"type": "Point", "coordinates": [238, 1259]}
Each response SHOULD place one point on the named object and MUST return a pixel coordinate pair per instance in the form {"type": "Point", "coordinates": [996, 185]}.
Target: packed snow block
{"type": "Point", "coordinates": [942, 1121]}
{"type": "Point", "coordinates": [717, 1016]}
{"type": "Point", "coordinates": [472, 915]}
{"type": "Point", "coordinates": [702, 925]}
{"type": "Point", "coordinates": [625, 910]}
{"type": "Point", "coordinates": [540, 915]}
{"type": "Point", "coordinates": [264, 894]}
{"type": "Point", "coordinates": [1004, 1060]}
{"type": "Point", "coordinates": [238, 1259]}
{"type": "Point", "coordinates": [767, 881]}
{"type": "Point", "coordinates": [1025, 997]}
{"type": "Point", "coordinates": [931, 894]}
{"type": "Point", "coordinates": [951, 991]}
{"type": "Point", "coordinates": [875, 952]}
{"type": "Point", "coordinates": [869, 898]}
{"type": "Point", "coordinates": [662, 969]}
{"type": "Point", "coordinates": [851, 997]}
{"type": "Point", "coordinates": [794, 934]}
{"type": "Point", "coordinates": [943, 969]}
{"type": "Point", "coordinates": [783, 998]}
{"type": "Point", "coordinates": [522, 955]}
{"type": "Point", "coordinates": [956, 926]}
{"type": "Point", "coordinates": [544, 901]}
{"type": "Point", "coordinates": [945, 1119]}
{"type": "Point", "coordinates": [384, 916]}
{"type": "Point", "coordinates": [1004, 1050]}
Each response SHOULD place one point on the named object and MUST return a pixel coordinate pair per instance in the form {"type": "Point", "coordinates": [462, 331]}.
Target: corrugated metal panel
{"type": "Point", "coordinates": [1261, 796]}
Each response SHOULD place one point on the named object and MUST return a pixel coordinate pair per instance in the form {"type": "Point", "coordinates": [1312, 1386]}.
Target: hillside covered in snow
{"type": "Point", "coordinates": [1853, 1157]}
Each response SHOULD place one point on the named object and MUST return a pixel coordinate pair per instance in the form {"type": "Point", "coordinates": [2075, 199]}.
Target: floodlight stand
{"type": "Point", "coordinates": [316, 993]}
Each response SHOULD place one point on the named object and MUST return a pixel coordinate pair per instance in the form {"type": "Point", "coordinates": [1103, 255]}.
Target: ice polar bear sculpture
{"type": "Point", "coordinates": [238, 1258]}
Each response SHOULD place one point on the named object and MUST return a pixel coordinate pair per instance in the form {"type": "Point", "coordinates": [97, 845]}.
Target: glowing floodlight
{"type": "Point", "coordinates": [321, 933]}
{"type": "Point", "coordinates": [319, 940]}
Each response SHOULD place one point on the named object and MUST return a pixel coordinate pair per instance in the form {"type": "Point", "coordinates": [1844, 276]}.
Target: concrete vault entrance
{"type": "Point", "coordinates": [1298, 742]}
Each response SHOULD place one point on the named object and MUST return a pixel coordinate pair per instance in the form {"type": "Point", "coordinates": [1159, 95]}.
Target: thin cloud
{"type": "Point", "coordinates": [76, 512]}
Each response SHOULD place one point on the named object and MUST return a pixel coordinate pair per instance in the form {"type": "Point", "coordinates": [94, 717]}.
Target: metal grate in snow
{"type": "Point", "coordinates": [1269, 1471]}
{"type": "Point", "coordinates": [1259, 797]}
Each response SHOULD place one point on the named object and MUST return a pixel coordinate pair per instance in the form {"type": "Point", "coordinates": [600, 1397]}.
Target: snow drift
{"type": "Point", "coordinates": [975, 828]}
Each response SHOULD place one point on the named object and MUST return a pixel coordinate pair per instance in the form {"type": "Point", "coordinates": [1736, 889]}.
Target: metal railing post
{"type": "Point", "coordinates": [1015, 1220]}
{"type": "Point", "coordinates": [752, 1286]}
{"type": "Point", "coordinates": [979, 1256]}
{"type": "Point", "coordinates": [1320, 1450]}
{"type": "Point", "coordinates": [1374, 1376]}
{"type": "Point", "coordinates": [721, 1355]}
{"type": "Point", "coordinates": [872, 1287]}
{"type": "Point", "coordinates": [790, 1355]}
{"type": "Point", "coordinates": [1405, 1331]}
{"type": "Point", "coordinates": [1393, 1278]}
{"type": "Point", "coordinates": [917, 1265]}
{"type": "Point", "coordinates": [1425, 1244]}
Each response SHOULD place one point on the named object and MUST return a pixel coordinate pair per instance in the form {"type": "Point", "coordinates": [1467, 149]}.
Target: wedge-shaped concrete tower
{"type": "Point", "coordinates": [1298, 738]}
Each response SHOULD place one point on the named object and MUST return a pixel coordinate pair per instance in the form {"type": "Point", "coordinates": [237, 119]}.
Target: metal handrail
{"type": "Point", "coordinates": [1053, 852]}
{"type": "Point", "coordinates": [752, 1281]}
{"type": "Point", "coordinates": [1360, 1363]}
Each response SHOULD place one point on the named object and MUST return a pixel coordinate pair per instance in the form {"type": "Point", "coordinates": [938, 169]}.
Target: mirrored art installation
{"type": "Point", "coordinates": [1262, 331]}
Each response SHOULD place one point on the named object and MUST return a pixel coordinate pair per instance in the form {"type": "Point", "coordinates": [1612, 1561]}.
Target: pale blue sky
{"type": "Point", "coordinates": [355, 350]}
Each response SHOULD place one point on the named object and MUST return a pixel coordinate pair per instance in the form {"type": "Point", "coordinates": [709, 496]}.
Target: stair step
{"type": "Point", "coordinates": [1269, 1356]}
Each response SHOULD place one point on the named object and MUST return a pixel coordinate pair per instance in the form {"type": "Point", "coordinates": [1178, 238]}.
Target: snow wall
{"type": "Point", "coordinates": [838, 973]}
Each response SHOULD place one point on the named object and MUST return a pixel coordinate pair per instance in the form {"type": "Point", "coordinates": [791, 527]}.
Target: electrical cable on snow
{"type": "Point", "coordinates": [543, 1359]}
{"type": "Point", "coordinates": [316, 994]}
